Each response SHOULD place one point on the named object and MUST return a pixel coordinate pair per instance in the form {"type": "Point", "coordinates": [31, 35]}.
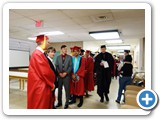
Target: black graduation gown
{"type": "Point", "coordinates": [103, 74]}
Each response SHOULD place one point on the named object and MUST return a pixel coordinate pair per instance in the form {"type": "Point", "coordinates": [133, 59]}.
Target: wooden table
{"type": "Point", "coordinates": [21, 76]}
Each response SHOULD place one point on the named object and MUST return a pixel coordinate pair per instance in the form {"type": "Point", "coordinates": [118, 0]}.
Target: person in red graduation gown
{"type": "Point", "coordinates": [115, 68]}
{"type": "Point", "coordinates": [41, 78]}
{"type": "Point", "coordinates": [71, 53]}
{"type": "Point", "coordinates": [77, 84]}
{"type": "Point", "coordinates": [89, 68]}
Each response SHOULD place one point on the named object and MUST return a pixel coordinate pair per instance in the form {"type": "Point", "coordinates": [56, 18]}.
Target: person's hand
{"type": "Point", "coordinates": [73, 76]}
{"type": "Point", "coordinates": [53, 87]}
{"type": "Point", "coordinates": [101, 64]}
{"type": "Point", "coordinates": [61, 75]}
{"type": "Point", "coordinates": [64, 74]}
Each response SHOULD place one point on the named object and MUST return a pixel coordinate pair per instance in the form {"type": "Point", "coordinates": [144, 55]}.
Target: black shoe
{"type": "Point", "coordinates": [102, 99]}
{"type": "Point", "coordinates": [66, 106]}
{"type": "Point", "coordinates": [107, 98]}
{"type": "Point", "coordinates": [59, 105]}
{"type": "Point", "coordinates": [118, 101]}
{"type": "Point", "coordinates": [72, 102]}
{"type": "Point", "coordinates": [54, 107]}
{"type": "Point", "coordinates": [80, 104]}
{"type": "Point", "coordinates": [87, 95]}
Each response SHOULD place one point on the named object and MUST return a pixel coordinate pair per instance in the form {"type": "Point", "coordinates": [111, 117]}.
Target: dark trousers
{"type": "Point", "coordinates": [103, 82]}
{"type": "Point", "coordinates": [66, 83]}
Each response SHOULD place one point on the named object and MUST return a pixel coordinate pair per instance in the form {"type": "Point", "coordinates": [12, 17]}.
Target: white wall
{"type": "Point", "coordinates": [136, 56]}
{"type": "Point", "coordinates": [93, 45]}
{"type": "Point", "coordinates": [19, 52]}
{"type": "Point", "coordinates": [58, 45]}
{"type": "Point", "coordinates": [18, 58]}
{"type": "Point", "coordinates": [139, 53]}
{"type": "Point", "coordinates": [15, 44]}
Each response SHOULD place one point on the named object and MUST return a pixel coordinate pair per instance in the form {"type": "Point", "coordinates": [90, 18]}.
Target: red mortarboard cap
{"type": "Point", "coordinates": [40, 38]}
{"type": "Point", "coordinates": [88, 51]}
{"type": "Point", "coordinates": [76, 48]}
{"type": "Point", "coordinates": [71, 48]}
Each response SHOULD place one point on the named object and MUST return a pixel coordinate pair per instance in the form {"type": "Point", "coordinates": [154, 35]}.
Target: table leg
{"type": "Point", "coordinates": [23, 82]}
{"type": "Point", "coordinates": [9, 84]}
{"type": "Point", "coordinates": [20, 82]}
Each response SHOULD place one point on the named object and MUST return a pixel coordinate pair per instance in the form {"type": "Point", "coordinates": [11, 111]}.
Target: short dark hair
{"type": "Point", "coordinates": [51, 49]}
{"type": "Point", "coordinates": [128, 58]}
{"type": "Point", "coordinates": [63, 46]}
{"type": "Point", "coordinates": [103, 46]}
{"type": "Point", "coordinates": [127, 51]}
{"type": "Point", "coordinates": [82, 51]}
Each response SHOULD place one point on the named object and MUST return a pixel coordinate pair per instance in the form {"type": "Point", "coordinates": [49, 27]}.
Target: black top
{"type": "Point", "coordinates": [126, 70]}
{"type": "Point", "coordinates": [106, 57]}
{"type": "Point", "coordinates": [54, 70]}
{"type": "Point", "coordinates": [128, 58]}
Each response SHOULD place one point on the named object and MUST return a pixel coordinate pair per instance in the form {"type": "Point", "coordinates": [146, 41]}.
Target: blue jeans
{"type": "Point", "coordinates": [123, 81]}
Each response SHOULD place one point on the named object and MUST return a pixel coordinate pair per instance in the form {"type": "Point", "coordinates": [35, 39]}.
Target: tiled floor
{"type": "Point", "coordinates": [18, 98]}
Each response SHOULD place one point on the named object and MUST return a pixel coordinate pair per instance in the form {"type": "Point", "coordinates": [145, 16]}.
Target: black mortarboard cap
{"type": "Point", "coordinates": [127, 51]}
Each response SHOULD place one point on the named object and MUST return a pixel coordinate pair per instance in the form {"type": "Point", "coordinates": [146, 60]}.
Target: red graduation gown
{"type": "Point", "coordinates": [89, 79]}
{"type": "Point", "coordinates": [114, 69]}
{"type": "Point", "coordinates": [77, 88]}
{"type": "Point", "coordinates": [40, 82]}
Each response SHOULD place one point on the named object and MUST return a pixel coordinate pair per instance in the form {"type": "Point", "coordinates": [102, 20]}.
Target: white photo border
{"type": "Point", "coordinates": [9, 6]}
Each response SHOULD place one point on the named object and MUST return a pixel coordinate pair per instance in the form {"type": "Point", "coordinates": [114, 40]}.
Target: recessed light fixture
{"type": "Point", "coordinates": [119, 47]}
{"type": "Point", "coordinates": [108, 34]}
{"type": "Point", "coordinates": [114, 41]}
{"type": "Point", "coordinates": [120, 51]}
{"type": "Point", "coordinates": [52, 33]}
{"type": "Point", "coordinates": [47, 34]}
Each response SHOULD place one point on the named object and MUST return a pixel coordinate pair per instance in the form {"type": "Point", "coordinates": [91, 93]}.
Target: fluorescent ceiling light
{"type": "Point", "coordinates": [52, 33]}
{"type": "Point", "coordinates": [109, 34]}
{"type": "Point", "coordinates": [47, 33]}
{"type": "Point", "coordinates": [114, 41]}
{"type": "Point", "coordinates": [32, 38]}
{"type": "Point", "coordinates": [119, 47]}
{"type": "Point", "coordinates": [120, 51]}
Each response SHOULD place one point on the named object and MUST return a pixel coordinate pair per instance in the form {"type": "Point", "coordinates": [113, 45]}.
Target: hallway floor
{"type": "Point", "coordinates": [18, 98]}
